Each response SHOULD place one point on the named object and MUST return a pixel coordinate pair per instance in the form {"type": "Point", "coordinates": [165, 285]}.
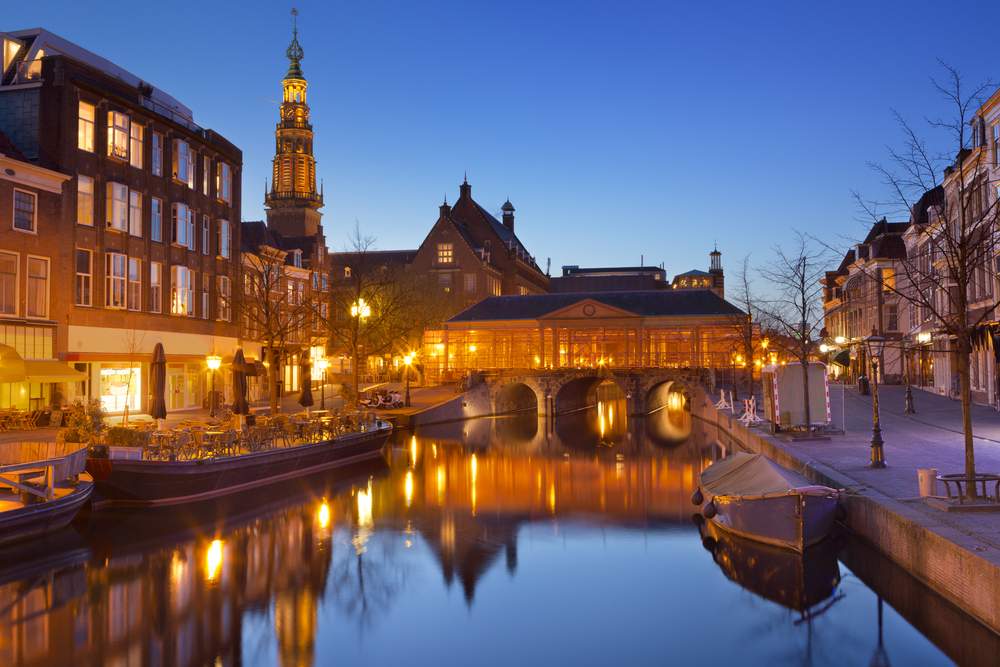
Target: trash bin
{"type": "Point", "coordinates": [927, 481]}
{"type": "Point", "coordinates": [863, 387]}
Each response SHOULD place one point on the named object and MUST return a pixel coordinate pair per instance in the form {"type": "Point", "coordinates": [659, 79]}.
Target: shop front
{"type": "Point", "coordinates": [30, 377]}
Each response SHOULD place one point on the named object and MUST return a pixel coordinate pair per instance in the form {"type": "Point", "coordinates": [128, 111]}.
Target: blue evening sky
{"type": "Point", "coordinates": [617, 129]}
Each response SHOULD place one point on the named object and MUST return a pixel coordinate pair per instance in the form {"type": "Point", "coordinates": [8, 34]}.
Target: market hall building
{"type": "Point", "coordinates": [693, 328]}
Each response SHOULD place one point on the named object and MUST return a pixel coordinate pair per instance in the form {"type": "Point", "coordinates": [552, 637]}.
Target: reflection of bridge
{"type": "Point", "coordinates": [563, 391]}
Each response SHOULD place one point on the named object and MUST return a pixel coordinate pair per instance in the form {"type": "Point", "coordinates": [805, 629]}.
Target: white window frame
{"type": "Point", "coordinates": [135, 145]}
{"type": "Point", "coordinates": [206, 173]}
{"type": "Point", "coordinates": [156, 287]}
{"type": "Point", "coordinates": [15, 302]}
{"type": "Point", "coordinates": [183, 163]}
{"type": "Point", "coordinates": [81, 196]}
{"type": "Point", "coordinates": [113, 282]}
{"type": "Point", "coordinates": [156, 219]}
{"type": "Point", "coordinates": [34, 211]}
{"type": "Point", "coordinates": [206, 280]}
{"type": "Point", "coordinates": [180, 224]}
{"type": "Point", "coordinates": [223, 290]}
{"type": "Point", "coordinates": [206, 239]}
{"type": "Point", "coordinates": [48, 287]}
{"type": "Point", "coordinates": [224, 182]}
{"type": "Point", "coordinates": [157, 154]}
{"type": "Point", "coordinates": [133, 301]}
{"type": "Point", "coordinates": [115, 208]}
{"type": "Point", "coordinates": [135, 213]}
{"type": "Point", "coordinates": [181, 291]}
{"type": "Point", "coordinates": [225, 239]}
{"type": "Point", "coordinates": [87, 278]}
{"type": "Point", "coordinates": [119, 135]}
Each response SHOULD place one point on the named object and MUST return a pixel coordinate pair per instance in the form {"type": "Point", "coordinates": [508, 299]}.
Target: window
{"type": "Point", "coordinates": [522, 290]}
{"type": "Point", "coordinates": [445, 253]}
{"type": "Point", "coordinates": [179, 224]}
{"type": "Point", "coordinates": [996, 144]}
{"type": "Point", "coordinates": [84, 200]}
{"type": "Point", "coordinates": [205, 244]}
{"type": "Point", "coordinates": [192, 230]}
{"type": "Point", "coordinates": [118, 135]}
{"type": "Point", "coordinates": [470, 283]}
{"type": "Point", "coordinates": [135, 146]}
{"type": "Point", "coordinates": [224, 183]}
{"type": "Point", "coordinates": [85, 127]}
{"type": "Point", "coordinates": [181, 291]}
{"type": "Point", "coordinates": [155, 287]}
{"type": "Point", "coordinates": [84, 275]}
{"type": "Point", "coordinates": [114, 280]}
{"type": "Point", "coordinates": [157, 165]}
{"type": "Point", "coordinates": [8, 283]}
{"type": "Point", "coordinates": [134, 283]}
{"type": "Point", "coordinates": [135, 213]}
{"type": "Point", "coordinates": [205, 280]}
{"type": "Point", "coordinates": [24, 210]}
{"type": "Point", "coordinates": [347, 272]}
{"type": "Point", "coordinates": [224, 249]}
{"type": "Point", "coordinates": [183, 163]}
{"type": "Point", "coordinates": [444, 280]}
{"type": "Point", "coordinates": [38, 287]}
{"type": "Point", "coordinates": [116, 210]}
{"type": "Point", "coordinates": [156, 219]}
{"type": "Point", "coordinates": [494, 285]}
{"type": "Point", "coordinates": [892, 317]}
{"type": "Point", "coordinates": [206, 171]}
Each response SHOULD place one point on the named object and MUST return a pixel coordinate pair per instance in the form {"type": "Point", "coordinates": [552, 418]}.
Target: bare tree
{"type": "Point", "coordinates": [745, 327]}
{"type": "Point", "coordinates": [275, 309]}
{"type": "Point", "coordinates": [947, 275]}
{"type": "Point", "coordinates": [377, 308]}
{"type": "Point", "coordinates": [795, 309]}
{"type": "Point", "coordinates": [133, 347]}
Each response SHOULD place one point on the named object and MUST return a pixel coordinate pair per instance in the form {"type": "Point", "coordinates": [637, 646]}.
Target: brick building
{"type": "Point", "coordinates": [147, 229]}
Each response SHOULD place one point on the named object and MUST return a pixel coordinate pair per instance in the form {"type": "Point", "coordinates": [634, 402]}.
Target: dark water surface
{"type": "Point", "coordinates": [493, 542]}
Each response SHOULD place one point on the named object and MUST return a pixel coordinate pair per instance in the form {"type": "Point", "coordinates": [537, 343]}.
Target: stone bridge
{"type": "Point", "coordinates": [565, 391]}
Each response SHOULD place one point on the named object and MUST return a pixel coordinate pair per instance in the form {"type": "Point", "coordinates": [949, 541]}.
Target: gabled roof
{"type": "Point", "coordinates": [647, 303]}
{"type": "Point", "coordinates": [478, 226]}
{"type": "Point", "coordinates": [693, 272]}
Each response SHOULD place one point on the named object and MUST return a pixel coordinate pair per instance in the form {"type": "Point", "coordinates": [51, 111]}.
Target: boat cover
{"type": "Point", "coordinates": [754, 475]}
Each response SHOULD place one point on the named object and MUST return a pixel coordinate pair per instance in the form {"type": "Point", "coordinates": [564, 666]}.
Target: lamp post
{"type": "Point", "coordinates": [214, 363]}
{"type": "Point", "coordinates": [322, 364]}
{"type": "Point", "coordinates": [407, 362]}
{"type": "Point", "coordinates": [360, 311]}
{"type": "Point", "coordinates": [875, 345]}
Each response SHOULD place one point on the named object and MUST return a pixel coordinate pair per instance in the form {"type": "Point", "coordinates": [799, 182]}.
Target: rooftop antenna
{"type": "Point", "coordinates": [642, 260]}
{"type": "Point", "coordinates": [548, 265]}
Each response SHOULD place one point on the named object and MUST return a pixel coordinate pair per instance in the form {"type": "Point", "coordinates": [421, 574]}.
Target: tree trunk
{"type": "Point", "coordinates": [354, 371]}
{"type": "Point", "coordinates": [966, 396]}
{"type": "Point", "coordinates": [272, 371]}
{"type": "Point", "coordinates": [805, 393]}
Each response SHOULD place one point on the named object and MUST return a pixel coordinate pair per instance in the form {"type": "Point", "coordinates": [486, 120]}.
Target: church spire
{"type": "Point", "coordinates": [294, 53]}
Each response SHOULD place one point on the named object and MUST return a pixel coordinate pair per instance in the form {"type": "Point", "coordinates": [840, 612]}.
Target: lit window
{"type": "Point", "coordinates": [155, 287]}
{"type": "Point", "coordinates": [224, 183]}
{"type": "Point", "coordinates": [224, 308]}
{"type": "Point", "coordinates": [157, 154]}
{"type": "Point", "coordinates": [445, 254]}
{"type": "Point", "coordinates": [116, 209]}
{"type": "Point", "coordinates": [135, 213]}
{"type": "Point", "coordinates": [156, 219]}
{"type": "Point", "coordinates": [135, 146]}
{"type": "Point", "coordinates": [84, 276]}
{"type": "Point", "coordinates": [38, 287]}
{"type": "Point", "coordinates": [224, 239]}
{"type": "Point", "coordinates": [183, 163]}
{"type": "Point", "coordinates": [181, 291]}
{"type": "Point", "coordinates": [181, 220]}
{"type": "Point", "coordinates": [206, 170]}
{"type": "Point", "coordinates": [84, 200]}
{"type": "Point", "coordinates": [347, 272]}
{"type": "Point", "coordinates": [8, 283]}
{"type": "Point", "coordinates": [24, 210]}
{"type": "Point", "coordinates": [85, 128]}
{"type": "Point", "coordinates": [134, 284]}
{"type": "Point", "coordinates": [118, 135]}
{"type": "Point", "coordinates": [114, 280]}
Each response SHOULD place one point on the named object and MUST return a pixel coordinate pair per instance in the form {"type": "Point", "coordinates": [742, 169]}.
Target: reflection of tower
{"type": "Point", "coordinates": [293, 202]}
{"type": "Point", "coordinates": [295, 626]}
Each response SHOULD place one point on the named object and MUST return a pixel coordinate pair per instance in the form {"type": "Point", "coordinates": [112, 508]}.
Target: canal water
{"type": "Point", "coordinates": [508, 541]}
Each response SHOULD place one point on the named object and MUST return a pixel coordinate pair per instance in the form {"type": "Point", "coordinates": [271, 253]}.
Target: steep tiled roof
{"type": "Point", "coordinates": [650, 303]}
{"type": "Point", "coordinates": [479, 226]}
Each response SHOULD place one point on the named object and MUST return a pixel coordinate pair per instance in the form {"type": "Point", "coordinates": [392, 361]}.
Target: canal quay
{"type": "Point", "coordinates": [510, 540]}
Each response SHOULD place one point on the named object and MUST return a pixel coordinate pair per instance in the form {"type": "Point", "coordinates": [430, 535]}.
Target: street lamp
{"type": "Point", "coordinates": [321, 365]}
{"type": "Point", "coordinates": [407, 362]}
{"type": "Point", "coordinates": [876, 345]}
{"type": "Point", "coordinates": [214, 363]}
{"type": "Point", "coordinates": [361, 311]}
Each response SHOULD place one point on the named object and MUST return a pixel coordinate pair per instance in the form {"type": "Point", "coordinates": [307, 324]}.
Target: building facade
{"type": "Point", "coordinates": [149, 222]}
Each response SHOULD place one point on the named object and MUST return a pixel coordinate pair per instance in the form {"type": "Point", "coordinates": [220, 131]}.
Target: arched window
{"type": "Point", "coordinates": [347, 272]}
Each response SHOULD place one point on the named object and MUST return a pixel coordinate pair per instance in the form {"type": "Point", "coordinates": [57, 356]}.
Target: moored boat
{"type": "Point", "coordinates": [42, 488]}
{"type": "Point", "coordinates": [134, 482]}
{"type": "Point", "coordinates": [750, 495]}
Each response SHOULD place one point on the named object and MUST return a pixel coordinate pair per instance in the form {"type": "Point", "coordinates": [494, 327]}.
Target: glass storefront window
{"type": "Point", "coordinates": [120, 385]}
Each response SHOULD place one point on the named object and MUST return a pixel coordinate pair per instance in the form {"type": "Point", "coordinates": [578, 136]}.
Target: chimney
{"type": "Point", "coordinates": [444, 209]}
{"type": "Point", "coordinates": [465, 190]}
{"type": "Point", "coordinates": [508, 215]}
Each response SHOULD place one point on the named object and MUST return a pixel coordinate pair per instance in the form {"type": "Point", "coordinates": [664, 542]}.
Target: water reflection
{"type": "Point", "coordinates": [539, 529]}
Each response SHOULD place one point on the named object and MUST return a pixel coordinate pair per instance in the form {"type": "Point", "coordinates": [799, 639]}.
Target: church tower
{"type": "Point", "coordinates": [293, 202]}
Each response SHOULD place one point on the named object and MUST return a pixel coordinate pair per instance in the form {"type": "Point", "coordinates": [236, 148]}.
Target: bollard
{"type": "Point", "coordinates": [927, 481]}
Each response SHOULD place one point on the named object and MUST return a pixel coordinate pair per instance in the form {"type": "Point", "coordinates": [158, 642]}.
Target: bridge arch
{"type": "Point", "coordinates": [516, 397]}
{"type": "Point", "coordinates": [580, 392]}
{"type": "Point", "coordinates": [668, 413]}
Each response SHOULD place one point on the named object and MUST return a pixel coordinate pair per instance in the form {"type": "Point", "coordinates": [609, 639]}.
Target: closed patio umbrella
{"type": "Point", "coordinates": [158, 378]}
{"type": "Point", "coordinates": [306, 398]}
{"type": "Point", "coordinates": [240, 405]}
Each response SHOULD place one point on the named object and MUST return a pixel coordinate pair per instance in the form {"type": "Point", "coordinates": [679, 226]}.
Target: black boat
{"type": "Point", "coordinates": [150, 483]}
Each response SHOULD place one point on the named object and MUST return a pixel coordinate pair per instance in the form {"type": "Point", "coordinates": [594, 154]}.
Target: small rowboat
{"type": "Point", "coordinates": [751, 496]}
{"type": "Point", "coordinates": [146, 483]}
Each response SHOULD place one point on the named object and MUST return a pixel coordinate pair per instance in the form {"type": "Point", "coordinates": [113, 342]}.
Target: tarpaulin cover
{"type": "Point", "coordinates": [745, 474]}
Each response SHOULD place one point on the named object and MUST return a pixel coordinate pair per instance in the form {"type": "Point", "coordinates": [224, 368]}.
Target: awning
{"type": "Point", "coordinates": [11, 365]}
{"type": "Point", "coordinates": [51, 370]}
{"type": "Point", "coordinates": [843, 358]}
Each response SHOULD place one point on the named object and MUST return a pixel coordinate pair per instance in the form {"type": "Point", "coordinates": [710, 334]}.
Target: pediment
{"type": "Point", "coordinates": [587, 309]}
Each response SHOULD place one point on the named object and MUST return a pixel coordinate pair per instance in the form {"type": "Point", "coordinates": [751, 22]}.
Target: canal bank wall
{"type": "Point", "coordinates": [946, 559]}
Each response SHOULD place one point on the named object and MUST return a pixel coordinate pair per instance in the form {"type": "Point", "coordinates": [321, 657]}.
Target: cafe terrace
{"type": "Point", "coordinates": [640, 329]}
